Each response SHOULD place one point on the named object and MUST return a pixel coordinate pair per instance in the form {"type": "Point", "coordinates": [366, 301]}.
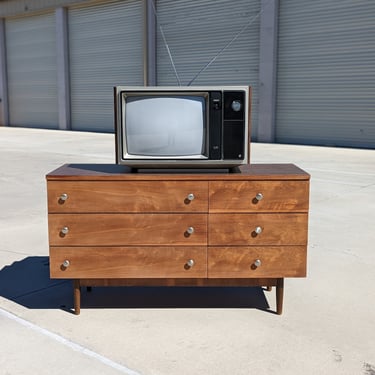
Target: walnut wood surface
{"type": "Point", "coordinates": [239, 196]}
{"type": "Point", "coordinates": [239, 229]}
{"type": "Point", "coordinates": [127, 196]}
{"type": "Point", "coordinates": [202, 282]}
{"type": "Point", "coordinates": [127, 229]}
{"type": "Point", "coordinates": [128, 262]}
{"type": "Point", "coordinates": [276, 261]}
{"type": "Point", "coordinates": [108, 172]}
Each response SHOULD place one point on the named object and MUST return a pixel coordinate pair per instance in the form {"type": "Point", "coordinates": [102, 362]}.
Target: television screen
{"type": "Point", "coordinates": [165, 126]}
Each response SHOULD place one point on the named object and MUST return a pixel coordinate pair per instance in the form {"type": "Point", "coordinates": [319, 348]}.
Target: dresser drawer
{"type": "Point", "coordinates": [243, 262]}
{"type": "Point", "coordinates": [131, 262]}
{"type": "Point", "coordinates": [257, 229]}
{"type": "Point", "coordinates": [258, 196]}
{"type": "Point", "coordinates": [127, 229]}
{"type": "Point", "coordinates": [127, 196]}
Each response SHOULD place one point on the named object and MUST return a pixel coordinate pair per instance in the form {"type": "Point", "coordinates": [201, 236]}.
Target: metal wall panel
{"type": "Point", "coordinates": [25, 7]}
{"type": "Point", "coordinates": [31, 68]}
{"type": "Point", "coordinates": [326, 73]}
{"type": "Point", "coordinates": [106, 49]}
{"type": "Point", "coordinates": [198, 31]}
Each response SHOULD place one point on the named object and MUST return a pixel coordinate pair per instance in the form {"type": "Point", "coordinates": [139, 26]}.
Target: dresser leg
{"type": "Point", "coordinates": [279, 296]}
{"type": "Point", "coordinates": [77, 296]}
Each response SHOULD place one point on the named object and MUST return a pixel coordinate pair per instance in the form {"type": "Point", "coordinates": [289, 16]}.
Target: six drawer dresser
{"type": "Point", "coordinates": [109, 225]}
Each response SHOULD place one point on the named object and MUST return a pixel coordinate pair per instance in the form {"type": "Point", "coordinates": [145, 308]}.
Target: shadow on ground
{"type": "Point", "coordinates": [27, 283]}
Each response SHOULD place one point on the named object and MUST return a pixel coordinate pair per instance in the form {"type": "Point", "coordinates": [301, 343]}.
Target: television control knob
{"type": "Point", "coordinates": [236, 105]}
{"type": "Point", "coordinates": [259, 197]}
{"type": "Point", "coordinates": [64, 230]}
{"type": "Point", "coordinates": [257, 263]}
{"type": "Point", "coordinates": [190, 197]}
{"type": "Point", "coordinates": [66, 263]}
{"type": "Point", "coordinates": [190, 230]}
{"type": "Point", "coordinates": [190, 263]}
{"type": "Point", "coordinates": [63, 197]}
{"type": "Point", "coordinates": [258, 230]}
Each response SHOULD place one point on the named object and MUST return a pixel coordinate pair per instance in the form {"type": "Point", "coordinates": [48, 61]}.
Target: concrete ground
{"type": "Point", "coordinates": [328, 324]}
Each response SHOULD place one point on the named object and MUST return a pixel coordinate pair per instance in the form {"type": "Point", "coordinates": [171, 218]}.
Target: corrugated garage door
{"type": "Point", "coordinates": [326, 73]}
{"type": "Point", "coordinates": [106, 49]}
{"type": "Point", "coordinates": [196, 32]}
{"type": "Point", "coordinates": [32, 74]}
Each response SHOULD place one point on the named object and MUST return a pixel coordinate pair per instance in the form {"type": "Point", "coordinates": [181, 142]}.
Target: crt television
{"type": "Point", "coordinates": [182, 127]}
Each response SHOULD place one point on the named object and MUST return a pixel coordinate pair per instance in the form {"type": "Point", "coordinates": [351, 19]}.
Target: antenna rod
{"type": "Point", "coordinates": [166, 44]}
{"type": "Point", "coordinates": [229, 43]}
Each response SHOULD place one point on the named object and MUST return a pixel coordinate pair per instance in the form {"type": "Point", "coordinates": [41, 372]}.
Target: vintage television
{"type": "Point", "coordinates": [182, 127]}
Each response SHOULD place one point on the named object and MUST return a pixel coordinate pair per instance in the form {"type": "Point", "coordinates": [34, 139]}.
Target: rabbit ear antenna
{"type": "Point", "coordinates": [251, 21]}
{"type": "Point", "coordinates": [166, 43]}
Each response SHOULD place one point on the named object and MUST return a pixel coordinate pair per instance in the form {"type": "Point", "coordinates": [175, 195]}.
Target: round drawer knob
{"type": "Point", "coordinates": [257, 263]}
{"type": "Point", "coordinates": [258, 230]}
{"type": "Point", "coordinates": [190, 230]}
{"type": "Point", "coordinates": [259, 197]}
{"type": "Point", "coordinates": [190, 263]}
{"type": "Point", "coordinates": [63, 197]}
{"type": "Point", "coordinates": [190, 197]}
{"type": "Point", "coordinates": [64, 230]}
{"type": "Point", "coordinates": [66, 263]}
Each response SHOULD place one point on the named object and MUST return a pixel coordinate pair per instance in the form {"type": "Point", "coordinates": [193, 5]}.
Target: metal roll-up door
{"type": "Point", "coordinates": [106, 49]}
{"type": "Point", "coordinates": [326, 73]}
{"type": "Point", "coordinates": [32, 72]}
{"type": "Point", "coordinates": [198, 31]}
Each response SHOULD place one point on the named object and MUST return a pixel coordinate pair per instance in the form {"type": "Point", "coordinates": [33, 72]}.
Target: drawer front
{"type": "Point", "coordinates": [128, 262]}
{"type": "Point", "coordinates": [127, 196]}
{"type": "Point", "coordinates": [258, 196]}
{"type": "Point", "coordinates": [127, 229]}
{"type": "Point", "coordinates": [248, 262]}
{"type": "Point", "coordinates": [257, 229]}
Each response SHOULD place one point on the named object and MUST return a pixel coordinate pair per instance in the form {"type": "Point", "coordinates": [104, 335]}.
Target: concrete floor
{"type": "Point", "coordinates": [328, 323]}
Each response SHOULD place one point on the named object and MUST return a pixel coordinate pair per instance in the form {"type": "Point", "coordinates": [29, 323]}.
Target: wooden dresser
{"type": "Point", "coordinates": [109, 226]}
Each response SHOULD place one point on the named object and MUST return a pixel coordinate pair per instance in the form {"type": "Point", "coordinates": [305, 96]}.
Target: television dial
{"type": "Point", "coordinates": [236, 105]}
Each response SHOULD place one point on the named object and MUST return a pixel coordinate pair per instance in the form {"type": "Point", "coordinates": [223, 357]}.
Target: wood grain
{"type": "Point", "coordinates": [127, 229]}
{"type": "Point", "coordinates": [127, 196]}
{"type": "Point", "coordinates": [239, 229]}
{"type": "Point", "coordinates": [128, 262]}
{"type": "Point", "coordinates": [199, 282]}
{"type": "Point", "coordinates": [276, 261]}
{"type": "Point", "coordinates": [113, 172]}
{"type": "Point", "coordinates": [239, 196]}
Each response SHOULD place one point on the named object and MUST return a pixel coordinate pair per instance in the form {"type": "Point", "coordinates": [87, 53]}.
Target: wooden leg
{"type": "Point", "coordinates": [77, 297]}
{"type": "Point", "coordinates": [279, 296]}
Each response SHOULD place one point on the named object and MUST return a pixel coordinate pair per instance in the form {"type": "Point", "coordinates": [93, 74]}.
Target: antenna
{"type": "Point", "coordinates": [166, 44]}
{"type": "Point", "coordinates": [251, 21]}
{"type": "Point", "coordinates": [229, 43]}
